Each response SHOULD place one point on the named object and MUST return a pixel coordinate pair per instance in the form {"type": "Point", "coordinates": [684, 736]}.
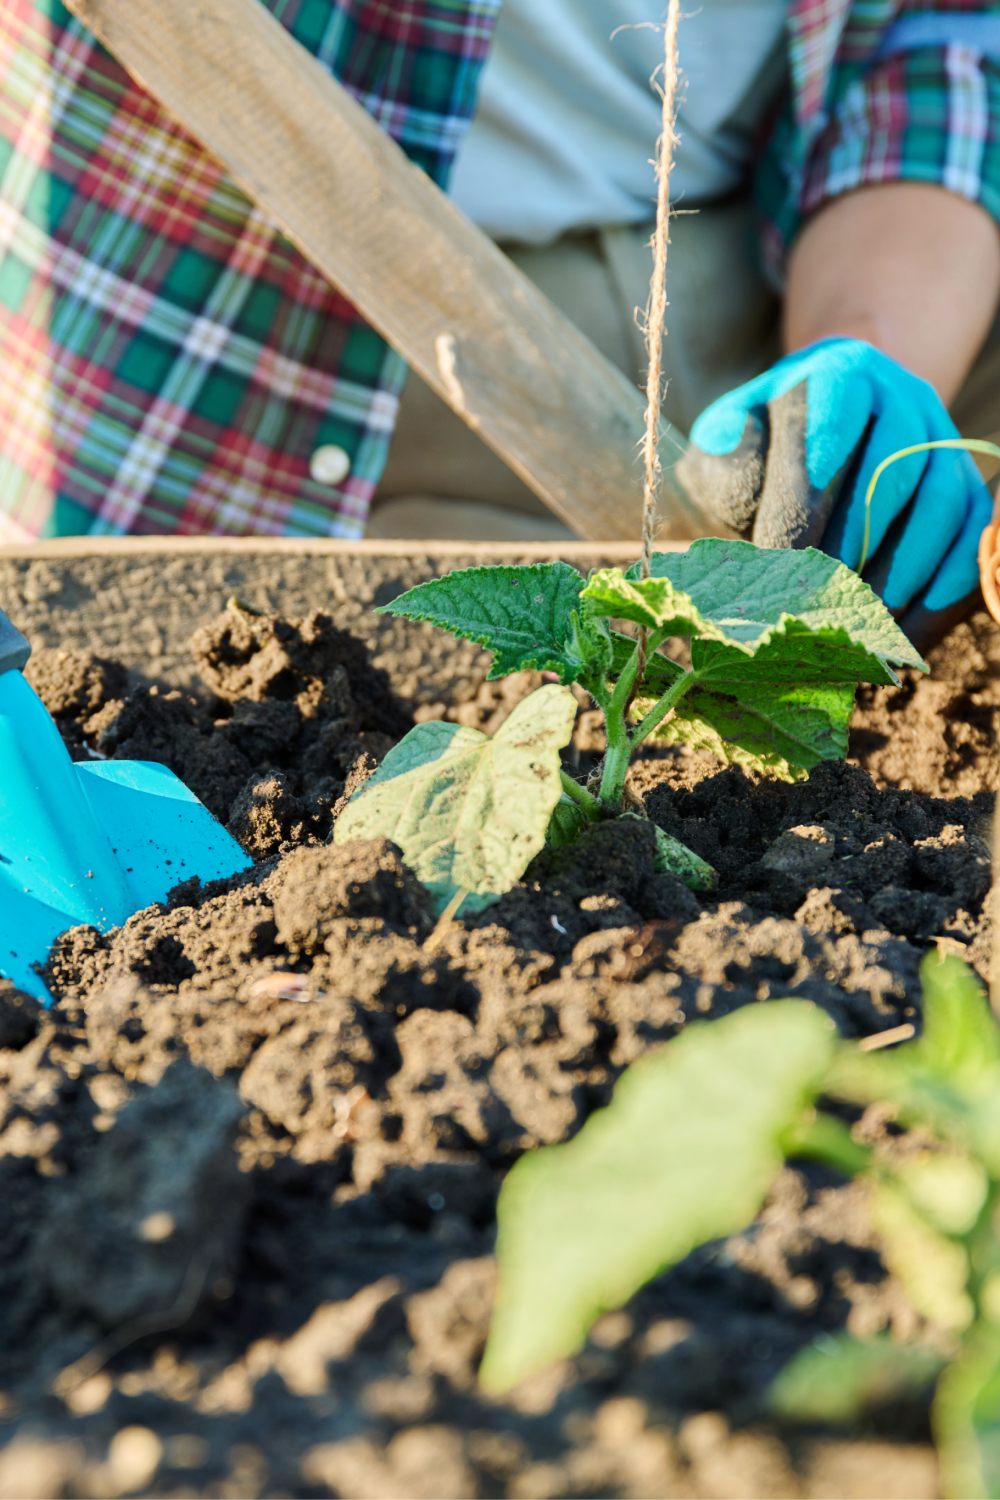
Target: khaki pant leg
{"type": "Point", "coordinates": [722, 318]}
{"type": "Point", "coordinates": [441, 481]}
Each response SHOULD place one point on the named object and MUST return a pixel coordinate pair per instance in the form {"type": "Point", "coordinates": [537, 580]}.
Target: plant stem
{"type": "Point", "coordinates": [659, 711]}
{"type": "Point", "coordinates": [616, 763]}
{"type": "Point", "coordinates": [579, 793]}
{"type": "Point", "coordinates": [983, 1248]}
{"type": "Point", "coordinates": [971, 445]}
{"type": "Point", "coordinates": [616, 706]}
{"type": "Point", "coordinates": [621, 741]}
{"type": "Point", "coordinates": [820, 1137]}
{"type": "Point", "coordinates": [619, 750]}
{"type": "Point", "coordinates": [616, 724]}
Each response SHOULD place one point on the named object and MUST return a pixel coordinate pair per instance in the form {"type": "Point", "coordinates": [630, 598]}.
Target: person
{"type": "Point", "coordinates": [170, 363]}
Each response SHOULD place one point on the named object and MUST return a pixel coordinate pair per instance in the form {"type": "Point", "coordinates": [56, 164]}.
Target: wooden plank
{"type": "Point", "coordinates": [472, 325]}
{"type": "Point", "coordinates": [68, 548]}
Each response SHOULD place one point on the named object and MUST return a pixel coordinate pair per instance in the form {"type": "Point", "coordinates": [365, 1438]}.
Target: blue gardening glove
{"type": "Point", "coordinates": [787, 458]}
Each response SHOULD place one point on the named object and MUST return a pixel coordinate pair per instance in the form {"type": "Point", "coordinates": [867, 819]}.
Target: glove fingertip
{"type": "Point", "coordinates": [726, 485]}
{"type": "Point", "coordinates": [726, 425]}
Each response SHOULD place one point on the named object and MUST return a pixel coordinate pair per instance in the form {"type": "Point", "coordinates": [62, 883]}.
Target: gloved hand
{"type": "Point", "coordinates": [787, 458]}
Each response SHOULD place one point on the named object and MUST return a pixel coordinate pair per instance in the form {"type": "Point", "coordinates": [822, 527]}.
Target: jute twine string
{"type": "Point", "coordinates": [656, 312]}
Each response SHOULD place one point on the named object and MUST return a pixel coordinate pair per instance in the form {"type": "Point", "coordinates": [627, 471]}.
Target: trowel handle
{"type": "Point", "coordinates": [14, 649]}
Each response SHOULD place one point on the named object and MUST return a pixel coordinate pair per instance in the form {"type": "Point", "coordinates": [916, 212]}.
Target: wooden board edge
{"type": "Point", "coordinates": [69, 548]}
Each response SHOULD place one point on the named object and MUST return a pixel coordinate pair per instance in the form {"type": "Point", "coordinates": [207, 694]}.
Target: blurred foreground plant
{"type": "Point", "coordinates": [687, 1152]}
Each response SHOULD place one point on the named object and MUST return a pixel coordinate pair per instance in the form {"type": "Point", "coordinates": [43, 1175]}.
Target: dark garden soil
{"type": "Point", "coordinates": [249, 1161]}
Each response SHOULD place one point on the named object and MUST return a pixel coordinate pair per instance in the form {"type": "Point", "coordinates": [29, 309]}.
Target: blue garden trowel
{"type": "Point", "coordinates": [88, 843]}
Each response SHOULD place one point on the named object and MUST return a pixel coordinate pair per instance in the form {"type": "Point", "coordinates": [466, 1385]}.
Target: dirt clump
{"type": "Point", "coordinates": [251, 658]}
{"type": "Point", "coordinates": [290, 708]}
{"type": "Point", "coordinates": [366, 878]}
{"type": "Point", "coordinates": [75, 687]}
{"type": "Point", "coordinates": [937, 733]}
{"type": "Point", "coordinates": [774, 845]}
{"type": "Point", "coordinates": [160, 1202]}
{"type": "Point", "coordinates": [266, 815]}
{"type": "Point", "coordinates": [21, 1017]}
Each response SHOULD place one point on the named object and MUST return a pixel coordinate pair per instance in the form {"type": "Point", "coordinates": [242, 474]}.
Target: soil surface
{"type": "Point", "coordinates": [249, 1160]}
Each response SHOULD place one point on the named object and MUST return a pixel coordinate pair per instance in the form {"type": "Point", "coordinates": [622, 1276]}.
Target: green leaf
{"type": "Point", "coordinates": [522, 614]}
{"type": "Point", "coordinates": [676, 858]}
{"type": "Point", "coordinates": [746, 590]}
{"type": "Point", "coordinates": [792, 652]}
{"type": "Point", "coordinates": [590, 648]}
{"type": "Point", "coordinates": [958, 1055]}
{"type": "Point", "coordinates": [696, 873]}
{"type": "Point", "coordinates": [946, 1188]}
{"type": "Point", "coordinates": [933, 1268]}
{"type": "Point", "coordinates": [782, 639]}
{"type": "Point", "coordinates": [566, 824]}
{"type": "Point", "coordinates": [949, 1080]}
{"type": "Point", "coordinates": [966, 1417]}
{"type": "Point", "coordinates": [839, 1377]}
{"type": "Point", "coordinates": [961, 1039]}
{"type": "Point", "coordinates": [780, 732]}
{"type": "Point", "coordinates": [828, 625]}
{"type": "Point", "coordinates": [773, 727]}
{"type": "Point", "coordinates": [776, 694]}
{"type": "Point", "coordinates": [651, 602]}
{"type": "Point", "coordinates": [686, 1152]}
{"type": "Point", "coordinates": [468, 812]}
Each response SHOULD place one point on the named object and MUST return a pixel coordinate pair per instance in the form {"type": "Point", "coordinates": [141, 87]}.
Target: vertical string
{"type": "Point", "coordinates": [656, 311]}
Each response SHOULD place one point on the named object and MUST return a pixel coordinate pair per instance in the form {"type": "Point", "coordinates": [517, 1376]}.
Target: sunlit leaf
{"type": "Point", "coordinates": [468, 812]}
{"type": "Point", "coordinates": [778, 731]}
{"type": "Point", "coordinates": [745, 591]}
{"type": "Point", "coordinates": [933, 1269]}
{"type": "Point", "coordinates": [686, 1152]}
{"type": "Point", "coordinates": [948, 1189]}
{"type": "Point", "coordinates": [780, 641]}
{"type": "Point", "coordinates": [961, 1039]}
{"type": "Point", "coordinates": [522, 614]}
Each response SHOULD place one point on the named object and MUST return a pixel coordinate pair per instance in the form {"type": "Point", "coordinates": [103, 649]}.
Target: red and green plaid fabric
{"type": "Point", "coordinates": [874, 101]}
{"type": "Point", "coordinates": [168, 361]}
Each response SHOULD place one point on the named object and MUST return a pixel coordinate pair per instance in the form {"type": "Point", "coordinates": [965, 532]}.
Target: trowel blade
{"type": "Point", "coordinates": [159, 833]}
{"type": "Point", "coordinates": [158, 830]}
{"type": "Point", "coordinates": [28, 929]}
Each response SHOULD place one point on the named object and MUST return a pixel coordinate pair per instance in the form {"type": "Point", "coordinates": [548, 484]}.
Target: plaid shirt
{"type": "Point", "coordinates": [170, 363]}
{"type": "Point", "coordinates": [871, 101]}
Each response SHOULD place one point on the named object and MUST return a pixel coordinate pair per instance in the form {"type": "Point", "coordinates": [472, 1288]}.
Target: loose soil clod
{"type": "Point", "coordinates": [322, 1103]}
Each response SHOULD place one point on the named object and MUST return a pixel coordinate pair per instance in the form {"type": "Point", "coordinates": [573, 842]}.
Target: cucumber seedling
{"type": "Point", "coordinates": [779, 641]}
